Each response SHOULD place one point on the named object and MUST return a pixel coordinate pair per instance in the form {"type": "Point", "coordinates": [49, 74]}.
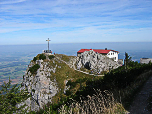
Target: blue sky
{"type": "Point", "coordinates": [75, 21]}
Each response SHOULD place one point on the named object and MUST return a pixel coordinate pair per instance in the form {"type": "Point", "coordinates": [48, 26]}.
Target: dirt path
{"type": "Point", "coordinates": [139, 105]}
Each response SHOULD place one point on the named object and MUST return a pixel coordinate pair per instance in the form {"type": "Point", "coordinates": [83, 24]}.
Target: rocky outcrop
{"type": "Point", "coordinates": [39, 85]}
{"type": "Point", "coordinates": [95, 62]}
{"type": "Point", "coordinates": [43, 88]}
{"type": "Point", "coordinates": [72, 62]}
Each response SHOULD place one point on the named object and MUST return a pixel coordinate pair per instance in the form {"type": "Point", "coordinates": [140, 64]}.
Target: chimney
{"type": "Point", "coordinates": [105, 48]}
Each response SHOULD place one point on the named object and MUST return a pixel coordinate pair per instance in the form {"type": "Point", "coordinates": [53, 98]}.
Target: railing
{"type": "Point", "coordinates": [47, 51]}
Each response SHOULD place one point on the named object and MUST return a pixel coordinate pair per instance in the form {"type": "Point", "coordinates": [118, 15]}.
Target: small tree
{"type": "Point", "coordinates": [34, 68]}
{"type": "Point", "coordinates": [127, 60]}
{"type": "Point", "coordinates": [42, 56]}
{"type": "Point", "coordinates": [51, 56]}
{"type": "Point", "coordinates": [10, 96]}
{"type": "Point", "coordinates": [34, 59]}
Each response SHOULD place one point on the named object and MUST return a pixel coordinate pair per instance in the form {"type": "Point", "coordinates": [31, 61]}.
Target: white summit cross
{"type": "Point", "coordinates": [48, 44]}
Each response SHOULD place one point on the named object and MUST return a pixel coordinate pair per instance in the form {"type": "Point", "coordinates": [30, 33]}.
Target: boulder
{"type": "Point", "coordinates": [95, 62]}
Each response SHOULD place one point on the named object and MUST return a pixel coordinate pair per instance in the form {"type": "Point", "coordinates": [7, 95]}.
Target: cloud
{"type": "Point", "coordinates": [11, 1]}
{"type": "Point", "coordinates": [75, 17]}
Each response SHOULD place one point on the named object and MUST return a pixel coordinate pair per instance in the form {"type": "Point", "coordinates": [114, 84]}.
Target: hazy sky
{"type": "Point", "coordinates": [66, 21]}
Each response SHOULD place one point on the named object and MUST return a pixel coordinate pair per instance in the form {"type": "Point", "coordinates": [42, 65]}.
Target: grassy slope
{"type": "Point", "coordinates": [65, 73]}
{"type": "Point", "coordinates": [78, 81]}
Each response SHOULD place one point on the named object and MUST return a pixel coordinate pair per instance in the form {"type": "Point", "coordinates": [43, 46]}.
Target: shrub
{"type": "Point", "coordinates": [81, 80]}
{"type": "Point", "coordinates": [34, 59]}
{"type": "Point", "coordinates": [51, 56]}
{"type": "Point", "coordinates": [71, 84]}
{"type": "Point", "coordinates": [101, 102]}
{"type": "Point", "coordinates": [33, 90]}
{"type": "Point", "coordinates": [68, 92]}
{"type": "Point", "coordinates": [42, 56]}
{"type": "Point", "coordinates": [123, 78]}
{"type": "Point", "coordinates": [34, 68]}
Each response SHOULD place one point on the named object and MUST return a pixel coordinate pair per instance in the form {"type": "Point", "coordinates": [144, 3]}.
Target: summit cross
{"type": "Point", "coordinates": [48, 44]}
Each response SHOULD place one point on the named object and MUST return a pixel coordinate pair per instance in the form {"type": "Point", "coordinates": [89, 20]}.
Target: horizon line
{"type": "Point", "coordinates": [78, 43]}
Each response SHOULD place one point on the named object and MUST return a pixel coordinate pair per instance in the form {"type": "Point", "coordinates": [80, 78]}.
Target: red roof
{"type": "Point", "coordinates": [102, 51]}
{"type": "Point", "coordinates": [83, 50]}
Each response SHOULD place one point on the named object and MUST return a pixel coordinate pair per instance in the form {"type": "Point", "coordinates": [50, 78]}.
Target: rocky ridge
{"type": "Point", "coordinates": [41, 88]}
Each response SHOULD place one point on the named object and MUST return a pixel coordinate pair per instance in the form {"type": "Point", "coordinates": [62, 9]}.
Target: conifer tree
{"type": "Point", "coordinates": [127, 60]}
{"type": "Point", "coordinates": [10, 96]}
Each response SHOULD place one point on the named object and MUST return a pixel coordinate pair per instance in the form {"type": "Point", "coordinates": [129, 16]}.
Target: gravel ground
{"type": "Point", "coordinates": [139, 105]}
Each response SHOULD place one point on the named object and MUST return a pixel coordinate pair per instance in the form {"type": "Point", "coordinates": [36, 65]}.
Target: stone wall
{"type": "Point", "coordinates": [145, 60]}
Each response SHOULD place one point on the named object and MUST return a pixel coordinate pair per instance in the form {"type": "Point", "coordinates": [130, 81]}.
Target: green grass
{"type": "Point", "coordinates": [64, 57]}
{"type": "Point", "coordinates": [132, 90]}
{"type": "Point", "coordinates": [34, 68]}
{"type": "Point", "coordinates": [51, 56]}
{"type": "Point", "coordinates": [119, 82]}
{"type": "Point", "coordinates": [66, 73]}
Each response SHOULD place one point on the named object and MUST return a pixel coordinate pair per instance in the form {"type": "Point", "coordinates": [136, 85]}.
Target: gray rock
{"type": "Point", "coordinates": [95, 61]}
{"type": "Point", "coordinates": [39, 86]}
